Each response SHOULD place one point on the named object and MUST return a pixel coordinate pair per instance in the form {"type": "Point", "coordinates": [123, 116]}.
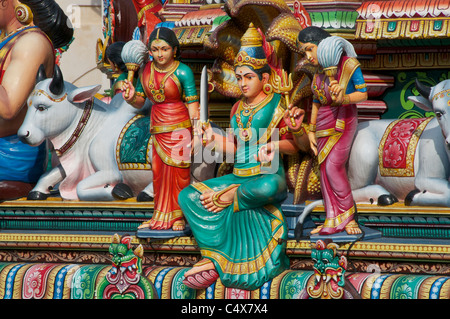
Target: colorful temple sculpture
{"type": "Point", "coordinates": [78, 233]}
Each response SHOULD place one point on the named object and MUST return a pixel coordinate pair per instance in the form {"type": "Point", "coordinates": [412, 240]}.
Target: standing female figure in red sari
{"type": "Point", "coordinates": [333, 123]}
{"type": "Point", "coordinates": [170, 86]}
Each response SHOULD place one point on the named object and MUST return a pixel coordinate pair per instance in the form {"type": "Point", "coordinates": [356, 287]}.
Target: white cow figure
{"type": "Point", "coordinates": [84, 131]}
{"type": "Point", "coordinates": [429, 184]}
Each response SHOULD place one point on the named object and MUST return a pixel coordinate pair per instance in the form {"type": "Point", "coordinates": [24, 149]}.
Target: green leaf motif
{"type": "Point", "coordinates": [134, 145]}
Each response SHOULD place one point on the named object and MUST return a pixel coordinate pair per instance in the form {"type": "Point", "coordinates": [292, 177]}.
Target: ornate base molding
{"type": "Point", "coordinates": [79, 258]}
{"type": "Point", "coordinates": [78, 281]}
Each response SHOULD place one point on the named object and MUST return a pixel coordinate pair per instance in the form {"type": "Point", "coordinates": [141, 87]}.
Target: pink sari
{"type": "Point", "coordinates": [336, 128]}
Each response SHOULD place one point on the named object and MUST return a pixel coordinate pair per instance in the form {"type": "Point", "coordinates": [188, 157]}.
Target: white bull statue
{"type": "Point", "coordinates": [407, 160]}
{"type": "Point", "coordinates": [103, 149]}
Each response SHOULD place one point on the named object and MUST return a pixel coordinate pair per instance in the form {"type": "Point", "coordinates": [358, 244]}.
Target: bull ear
{"type": "Point", "coordinates": [41, 74]}
{"type": "Point", "coordinates": [57, 84]}
{"type": "Point", "coordinates": [83, 94]}
{"type": "Point", "coordinates": [422, 102]}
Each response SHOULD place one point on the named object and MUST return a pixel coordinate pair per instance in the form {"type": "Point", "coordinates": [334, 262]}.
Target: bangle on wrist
{"type": "Point", "coordinates": [277, 145]}
{"type": "Point", "coordinates": [346, 100]}
{"type": "Point", "coordinates": [300, 132]}
{"type": "Point", "coordinates": [134, 99]}
{"type": "Point", "coordinates": [312, 127]}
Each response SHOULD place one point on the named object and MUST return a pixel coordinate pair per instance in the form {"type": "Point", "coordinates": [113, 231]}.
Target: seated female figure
{"type": "Point", "coordinates": [237, 219]}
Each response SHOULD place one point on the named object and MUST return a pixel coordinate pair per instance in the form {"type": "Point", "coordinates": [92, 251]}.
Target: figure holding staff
{"type": "Point", "coordinates": [337, 87]}
{"type": "Point", "coordinates": [170, 86]}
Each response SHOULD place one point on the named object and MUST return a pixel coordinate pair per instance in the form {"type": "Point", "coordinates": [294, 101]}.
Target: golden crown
{"type": "Point", "coordinates": [251, 39]}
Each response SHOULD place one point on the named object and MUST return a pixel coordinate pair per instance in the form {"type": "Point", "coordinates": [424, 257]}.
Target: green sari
{"type": "Point", "coordinates": [246, 241]}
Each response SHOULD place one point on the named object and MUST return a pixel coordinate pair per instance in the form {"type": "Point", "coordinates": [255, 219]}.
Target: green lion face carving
{"type": "Point", "coordinates": [329, 271]}
{"type": "Point", "coordinates": [124, 280]}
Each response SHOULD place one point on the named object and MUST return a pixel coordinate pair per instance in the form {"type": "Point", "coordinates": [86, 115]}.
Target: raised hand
{"type": "Point", "coordinates": [128, 91]}
{"type": "Point", "coordinates": [295, 113]}
{"type": "Point", "coordinates": [266, 153]}
{"type": "Point", "coordinates": [336, 91]}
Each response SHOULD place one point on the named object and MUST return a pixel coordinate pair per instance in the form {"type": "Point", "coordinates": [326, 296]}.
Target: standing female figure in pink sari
{"type": "Point", "coordinates": [333, 122]}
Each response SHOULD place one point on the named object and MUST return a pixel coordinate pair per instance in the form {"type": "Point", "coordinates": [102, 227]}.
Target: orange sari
{"type": "Point", "coordinates": [171, 130]}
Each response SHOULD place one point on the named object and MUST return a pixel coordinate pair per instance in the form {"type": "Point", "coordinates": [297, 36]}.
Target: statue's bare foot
{"type": "Point", "coordinates": [202, 275]}
{"type": "Point", "coordinates": [352, 228]}
{"type": "Point", "coordinates": [316, 230]}
{"type": "Point", "coordinates": [217, 201]}
{"type": "Point", "coordinates": [148, 224]}
{"type": "Point", "coordinates": [151, 224]}
{"type": "Point", "coordinates": [144, 225]}
{"type": "Point", "coordinates": [207, 202]}
{"type": "Point", "coordinates": [202, 265]}
{"type": "Point", "coordinates": [179, 225]}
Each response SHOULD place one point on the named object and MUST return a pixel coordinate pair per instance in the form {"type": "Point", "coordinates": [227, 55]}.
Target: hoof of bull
{"type": "Point", "coordinates": [122, 191]}
{"type": "Point", "coordinates": [35, 195]}
{"type": "Point", "coordinates": [386, 200]}
{"type": "Point", "coordinates": [410, 196]}
{"type": "Point", "coordinates": [144, 197]}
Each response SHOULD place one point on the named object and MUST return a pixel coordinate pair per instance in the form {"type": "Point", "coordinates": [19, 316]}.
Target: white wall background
{"type": "Point", "coordinates": [78, 64]}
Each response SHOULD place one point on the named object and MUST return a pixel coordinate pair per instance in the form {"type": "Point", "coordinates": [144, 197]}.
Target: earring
{"type": "Point", "coordinates": [23, 14]}
{"type": "Point", "coordinates": [267, 88]}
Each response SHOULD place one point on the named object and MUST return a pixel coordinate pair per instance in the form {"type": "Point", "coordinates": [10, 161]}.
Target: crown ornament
{"type": "Point", "coordinates": [251, 48]}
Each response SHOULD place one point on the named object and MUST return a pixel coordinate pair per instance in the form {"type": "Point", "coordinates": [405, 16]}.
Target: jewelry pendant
{"type": "Point", "coordinates": [159, 98]}
{"type": "Point", "coordinates": [158, 95]}
{"type": "Point", "coordinates": [245, 134]}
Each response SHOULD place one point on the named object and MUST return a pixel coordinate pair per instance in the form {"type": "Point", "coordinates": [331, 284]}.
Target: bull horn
{"type": "Point", "coordinates": [423, 89]}
{"type": "Point", "coordinates": [57, 84]}
{"type": "Point", "coordinates": [41, 74]}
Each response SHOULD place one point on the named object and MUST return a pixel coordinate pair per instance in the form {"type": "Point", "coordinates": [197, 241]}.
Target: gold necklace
{"type": "Point", "coordinates": [4, 36]}
{"type": "Point", "coordinates": [244, 109]}
{"type": "Point", "coordinates": [158, 94]}
{"type": "Point", "coordinates": [320, 91]}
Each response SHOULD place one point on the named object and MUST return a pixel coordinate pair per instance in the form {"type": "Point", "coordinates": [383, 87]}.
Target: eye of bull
{"type": "Point", "coordinates": [40, 107]}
